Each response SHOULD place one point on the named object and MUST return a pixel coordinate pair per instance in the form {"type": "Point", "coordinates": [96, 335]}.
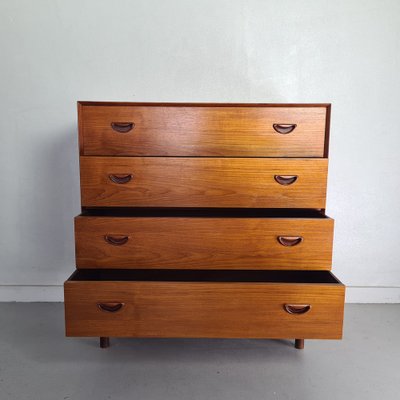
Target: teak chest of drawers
{"type": "Point", "coordinates": [203, 220]}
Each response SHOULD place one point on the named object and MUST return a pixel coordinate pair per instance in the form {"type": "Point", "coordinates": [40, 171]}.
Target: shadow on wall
{"type": "Point", "coordinates": [56, 201]}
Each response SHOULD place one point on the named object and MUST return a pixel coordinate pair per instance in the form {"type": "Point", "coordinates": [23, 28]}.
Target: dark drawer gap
{"type": "Point", "coordinates": [203, 212]}
{"type": "Point", "coordinates": [155, 275]}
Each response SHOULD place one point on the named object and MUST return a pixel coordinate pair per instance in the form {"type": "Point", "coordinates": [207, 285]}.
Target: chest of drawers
{"type": "Point", "coordinates": [203, 220]}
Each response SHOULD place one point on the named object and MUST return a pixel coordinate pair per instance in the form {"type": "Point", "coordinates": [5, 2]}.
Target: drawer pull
{"type": "Point", "coordinates": [290, 241]}
{"type": "Point", "coordinates": [122, 127]}
{"type": "Point", "coordinates": [110, 307]}
{"type": "Point", "coordinates": [297, 308]}
{"type": "Point", "coordinates": [116, 241]}
{"type": "Point", "coordinates": [120, 179]}
{"type": "Point", "coordinates": [285, 180]}
{"type": "Point", "coordinates": [284, 129]}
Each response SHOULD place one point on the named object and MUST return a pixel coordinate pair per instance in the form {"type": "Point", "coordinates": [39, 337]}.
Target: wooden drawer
{"type": "Point", "coordinates": [234, 304]}
{"type": "Point", "coordinates": [232, 239]}
{"type": "Point", "coordinates": [202, 130]}
{"type": "Point", "coordinates": [203, 182]}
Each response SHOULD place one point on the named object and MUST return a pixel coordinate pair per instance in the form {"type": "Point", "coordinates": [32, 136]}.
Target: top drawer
{"type": "Point", "coordinates": [231, 130]}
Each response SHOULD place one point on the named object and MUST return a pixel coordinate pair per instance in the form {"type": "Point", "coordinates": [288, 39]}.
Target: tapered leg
{"type": "Point", "coordinates": [299, 344]}
{"type": "Point", "coordinates": [104, 342]}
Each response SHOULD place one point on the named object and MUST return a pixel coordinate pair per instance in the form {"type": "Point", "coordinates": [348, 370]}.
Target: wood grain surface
{"type": "Point", "coordinates": [201, 130]}
{"type": "Point", "coordinates": [215, 243]}
{"type": "Point", "coordinates": [203, 182]}
{"type": "Point", "coordinates": [207, 276]}
{"type": "Point", "coordinates": [206, 309]}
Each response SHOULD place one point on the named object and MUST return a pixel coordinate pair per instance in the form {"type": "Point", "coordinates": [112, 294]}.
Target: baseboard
{"type": "Point", "coordinates": [372, 294]}
{"type": "Point", "coordinates": [50, 293]}
{"type": "Point", "coordinates": [31, 293]}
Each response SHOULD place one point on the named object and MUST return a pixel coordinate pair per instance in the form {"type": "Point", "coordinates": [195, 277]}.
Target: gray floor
{"type": "Point", "coordinates": [38, 362]}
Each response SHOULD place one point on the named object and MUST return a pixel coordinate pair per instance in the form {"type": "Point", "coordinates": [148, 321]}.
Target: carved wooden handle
{"type": "Point", "coordinates": [290, 241]}
{"type": "Point", "coordinates": [110, 307]}
{"type": "Point", "coordinates": [285, 180]}
{"type": "Point", "coordinates": [122, 127]}
{"type": "Point", "coordinates": [120, 179]}
{"type": "Point", "coordinates": [284, 128]}
{"type": "Point", "coordinates": [116, 240]}
{"type": "Point", "coordinates": [297, 308]}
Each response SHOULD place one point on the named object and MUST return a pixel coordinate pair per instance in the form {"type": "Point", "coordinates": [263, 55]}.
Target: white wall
{"type": "Point", "coordinates": [54, 53]}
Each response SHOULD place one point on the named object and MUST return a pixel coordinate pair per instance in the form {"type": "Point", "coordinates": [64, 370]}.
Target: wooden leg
{"type": "Point", "coordinates": [299, 344]}
{"type": "Point", "coordinates": [104, 342]}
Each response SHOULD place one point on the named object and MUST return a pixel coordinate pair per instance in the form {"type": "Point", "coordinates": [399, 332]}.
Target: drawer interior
{"type": "Point", "coordinates": [203, 212]}
{"type": "Point", "coordinates": [154, 275]}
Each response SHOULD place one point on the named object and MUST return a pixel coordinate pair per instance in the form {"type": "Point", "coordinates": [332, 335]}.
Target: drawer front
{"type": "Point", "coordinates": [203, 182]}
{"type": "Point", "coordinates": [129, 130]}
{"type": "Point", "coordinates": [205, 309]}
{"type": "Point", "coordinates": [212, 243]}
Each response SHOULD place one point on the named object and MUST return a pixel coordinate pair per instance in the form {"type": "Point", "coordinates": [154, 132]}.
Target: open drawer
{"type": "Point", "coordinates": [204, 303]}
{"type": "Point", "coordinates": [205, 239]}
